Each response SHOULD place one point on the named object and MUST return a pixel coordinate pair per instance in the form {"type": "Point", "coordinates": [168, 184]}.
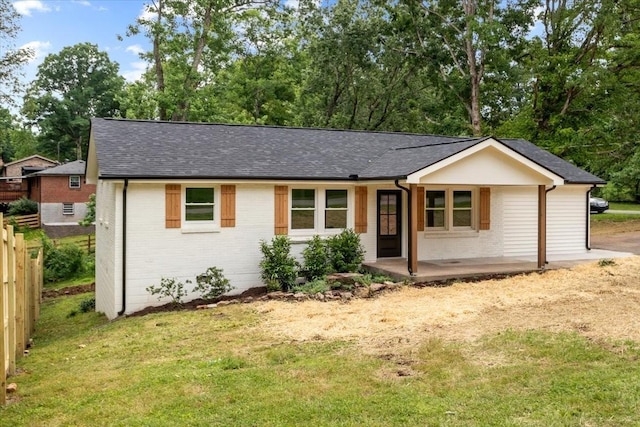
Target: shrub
{"type": "Point", "coordinates": [279, 268]}
{"type": "Point", "coordinates": [345, 252]}
{"type": "Point", "coordinates": [90, 216]}
{"type": "Point", "coordinates": [169, 287]}
{"type": "Point", "coordinates": [316, 259]}
{"type": "Point", "coordinates": [88, 305]}
{"type": "Point", "coordinates": [312, 287]}
{"type": "Point", "coordinates": [212, 283]}
{"type": "Point", "coordinates": [62, 263]}
{"type": "Point", "coordinates": [22, 206]}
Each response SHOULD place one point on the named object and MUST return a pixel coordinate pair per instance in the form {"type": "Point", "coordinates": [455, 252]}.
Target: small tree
{"type": "Point", "coordinates": [345, 252]}
{"type": "Point", "coordinates": [90, 216]}
{"type": "Point", "coordinates": [279, 268]}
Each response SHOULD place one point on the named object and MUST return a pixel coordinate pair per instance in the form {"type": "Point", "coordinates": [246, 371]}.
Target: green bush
{"type": "Point", "coordinates": [22, 206]}
{"type": "Point", "coordinates": [212, 283]}
{"type": "Point", "coordinates": [63, 262]}
{"type": "Point", "coordinates": [279, 268]}
{"type": "Point", "coordinates": [316, 259]}
{"type": "Point", "coordinates": [169, 287]}
{"type": "Point", "coordinates": [345, 252]}
{"type": "Point", "coordinates": [312, 287]}
{"type": "Point", "coordinates": [87, 305]}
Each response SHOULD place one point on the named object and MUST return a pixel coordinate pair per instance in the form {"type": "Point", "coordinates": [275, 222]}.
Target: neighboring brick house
{"type": "Point", "coordinates": [26, 166]}
{"type": "Point", "coordinates": [61, 193]}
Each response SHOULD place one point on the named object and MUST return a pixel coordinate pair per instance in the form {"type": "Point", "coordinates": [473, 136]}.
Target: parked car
{"type": "Point", "coordinates": [598, 205]}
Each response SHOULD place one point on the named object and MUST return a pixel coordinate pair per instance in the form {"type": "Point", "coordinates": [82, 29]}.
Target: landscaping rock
{"type": "Point", "coordinates": [346, 296]}
{"type": "Point", "coordinates": [320, 296]}
{"type": "Point", "coordinates": [228, 302]}
{"type": "Point", "coordinates": [206, 306]}
{"type": "Point", "coordinates": [346, 278]}
{"type": "Point", "coordinates": [377, 287]}
{"type": "Point", "coordinates": [300, 296]}
{"type": "Point", "coordinates": [248, 300]}
{"type": "Point", "coordinates": [12, 388]}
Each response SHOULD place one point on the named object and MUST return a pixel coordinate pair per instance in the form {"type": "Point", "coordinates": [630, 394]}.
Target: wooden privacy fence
{"type": "Point", "coordinates": [31, 221]}
{"type": "Point", "coordinates": [20, 294]}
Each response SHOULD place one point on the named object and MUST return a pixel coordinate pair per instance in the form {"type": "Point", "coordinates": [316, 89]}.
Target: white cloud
{"type": "Point", "coordinates": [82, 2]}
{"type": "Point", "coordinates": [136, 49]}
{"type": "Point", "coordinates": [25, 7]}
{"type": "Point", "coordinates": [136, 69]}
{"type": "Point", "coordinates": [39, 48]}
{"type": "Point", "coordinates": [146, 14]}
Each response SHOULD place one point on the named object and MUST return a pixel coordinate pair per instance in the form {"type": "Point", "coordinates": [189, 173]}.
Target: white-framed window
{"type": "Point", "coordinates": [319, 209]}
{"type": "Point", "coordinates": [199, 205]}
{"type": "Point", "coordinates": [449, 209]}
{"type": "Point", "coordinates": [74, 181]}
{"type": "Point", "coordinates": [336, 208]}
{"type": "Point", "coordinates": [67, 209]}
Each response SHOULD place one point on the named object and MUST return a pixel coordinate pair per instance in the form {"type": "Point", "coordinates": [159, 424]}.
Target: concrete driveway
{"type": "Point", "coordinates": [622, 242]}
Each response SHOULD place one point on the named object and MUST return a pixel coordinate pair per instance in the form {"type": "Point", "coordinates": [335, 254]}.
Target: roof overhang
{"type": "Point", "coordinates": [487, 163]}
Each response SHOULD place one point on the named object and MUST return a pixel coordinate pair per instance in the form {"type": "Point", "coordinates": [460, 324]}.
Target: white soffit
{"type": "Point", "coordinates": [486, 163]}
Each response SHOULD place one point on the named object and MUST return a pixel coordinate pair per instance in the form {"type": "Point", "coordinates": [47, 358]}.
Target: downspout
{"type": "Point", "coordinates": [124, 247]}
{"type": "Point", "coordinates": [587, 227]}
{"type": "Point", "coordinates": [409, 236]}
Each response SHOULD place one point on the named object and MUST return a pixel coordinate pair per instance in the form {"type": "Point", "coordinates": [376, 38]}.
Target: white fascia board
{"type": "Point", "coordinates": [414, 178]}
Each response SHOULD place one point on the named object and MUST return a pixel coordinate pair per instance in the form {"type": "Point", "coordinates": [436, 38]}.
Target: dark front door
{"type": "Point", "coordinates": [389, 215]}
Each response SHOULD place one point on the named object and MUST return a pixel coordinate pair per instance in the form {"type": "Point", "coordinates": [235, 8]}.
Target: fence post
{"type": "Point", "coordinates": [3, 321]}
{"type": "Point", "coordinates": [21, 254]}
{"type": "Point", "coordinates": [11, 287]}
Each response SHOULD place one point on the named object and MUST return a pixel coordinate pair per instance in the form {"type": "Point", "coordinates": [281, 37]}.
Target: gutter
{"type": "Point", "coordinates": [124, 247]}
{"type": "Point", "coordinates": [409, 234]}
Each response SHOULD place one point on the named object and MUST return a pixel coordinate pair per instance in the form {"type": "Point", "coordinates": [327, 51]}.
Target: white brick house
{"type": "Point", "coordinates": [176, 198]}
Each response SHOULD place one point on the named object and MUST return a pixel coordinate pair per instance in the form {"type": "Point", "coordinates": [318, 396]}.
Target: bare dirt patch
{"type": "Point", "coordinates": [594, 301]}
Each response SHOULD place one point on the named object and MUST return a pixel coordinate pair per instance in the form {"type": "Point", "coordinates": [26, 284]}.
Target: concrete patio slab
{"type": "Point", "coordinates": [448, 269]}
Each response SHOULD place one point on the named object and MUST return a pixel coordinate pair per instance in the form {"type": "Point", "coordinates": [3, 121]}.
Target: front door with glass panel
{"type": "Point", "coordinates": [389, 223]}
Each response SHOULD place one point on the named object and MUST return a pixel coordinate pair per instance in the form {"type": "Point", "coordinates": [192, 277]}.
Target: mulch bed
{"type": "Point", "coordinates": [71, 290]}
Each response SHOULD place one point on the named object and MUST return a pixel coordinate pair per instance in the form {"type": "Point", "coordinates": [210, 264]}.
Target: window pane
{"type": "Point", "coordinates": [462, 199]}
{"type": "Point", "coordinates": [435, 219]}
{"type": "Point", "coordinates": [302, 219]}
{"type": "Point", "coordinates": [335, 219]}
{"type": "Point", "coordinates": [336, 198]}
{"type": "Point", "coordinates": [199, 213]}
{"type": "Point", "coordinates": [435, 199]}
{"type": "Point", "coordinates": [303, 199]}
{"type": "Point", "coordinates": [199, 195]}
{"type": "Point", "coordinates": [462, 218]}
{"type": "Point", "coordinates": [384, 204]}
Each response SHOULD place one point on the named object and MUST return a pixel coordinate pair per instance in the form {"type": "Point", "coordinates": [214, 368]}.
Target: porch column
{"type": "Point", "coordinates": [412, 256]}
{"type": "Point", "coordinates": [542, 226]}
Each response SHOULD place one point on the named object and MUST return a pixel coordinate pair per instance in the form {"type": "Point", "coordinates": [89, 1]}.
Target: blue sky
{"type": "Point", "coordinates": [50, 25]}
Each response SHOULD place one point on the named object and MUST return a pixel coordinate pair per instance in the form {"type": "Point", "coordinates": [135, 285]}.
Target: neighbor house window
{"type": "Point", "coordinates": [199, 205]}
{"type": "Point", "coordinates": [319, 209]}
{"type": "Point", "coordinates": [335, 214]}
{"type": "Point", "coordinates": [74, 181]}
{"type": "Point", "coordinates": [67, 209]}
{"type": "Point", "coordinates": [448, 209]}
{"type": "Point", "coordinates": [303, 209]}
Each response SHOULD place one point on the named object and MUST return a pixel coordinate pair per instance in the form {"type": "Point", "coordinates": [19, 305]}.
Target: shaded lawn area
{"type": "Point", "coordinates": [223, 367]}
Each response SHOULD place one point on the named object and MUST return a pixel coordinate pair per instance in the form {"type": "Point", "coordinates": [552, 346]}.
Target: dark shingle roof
{"type": "Point", "coordinates": [152, 149]}
{"type": "Point", "coordinates": [72, 168]}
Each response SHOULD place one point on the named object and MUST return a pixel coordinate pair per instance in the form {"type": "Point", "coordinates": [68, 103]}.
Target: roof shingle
{"type": "Point", "coordinates": [152, 149]}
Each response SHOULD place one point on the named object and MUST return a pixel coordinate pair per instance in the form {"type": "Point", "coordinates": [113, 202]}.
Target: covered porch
{"type": "Point", "coordinates": [449, 269]}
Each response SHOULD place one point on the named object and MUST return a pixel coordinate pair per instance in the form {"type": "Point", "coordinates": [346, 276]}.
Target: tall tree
{"type": "Point", "coordinates": [72, 86]}
{"type": "Point", "coordinates": [11, 59]}
{"type": "Point", "coordinates": [463, 44]}
{"type": "Point", "coordinates": [191, 42]}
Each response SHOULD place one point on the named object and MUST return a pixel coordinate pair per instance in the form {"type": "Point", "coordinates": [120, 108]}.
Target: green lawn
{"type": "Point", "coordinates": [220, 368]}
{"type": "Point", "coordinates": [624, 206]}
